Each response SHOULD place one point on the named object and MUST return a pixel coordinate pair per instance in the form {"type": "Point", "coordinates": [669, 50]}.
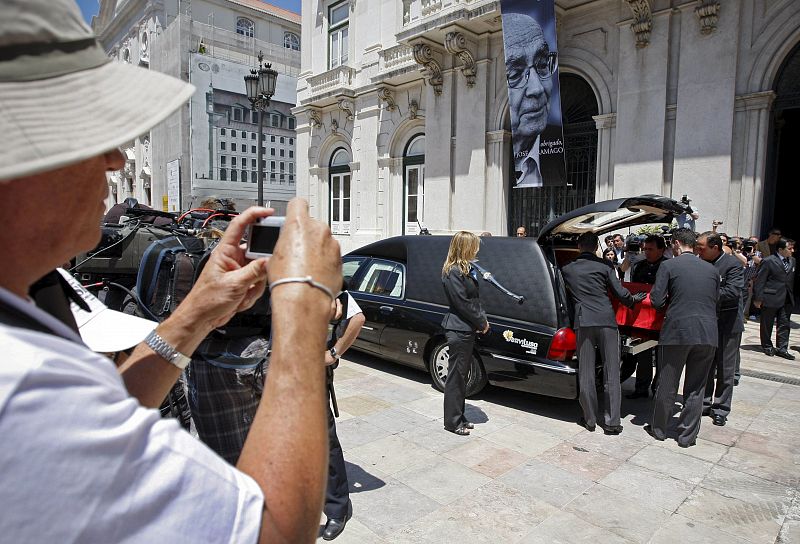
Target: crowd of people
{"type": "Point", "coordinates": [707, 282]}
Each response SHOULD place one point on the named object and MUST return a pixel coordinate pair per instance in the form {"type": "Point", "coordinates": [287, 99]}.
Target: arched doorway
{"type": "Point", "coordinates": [780, 190]}
{"type": "Point", "coordinates": [535, 207]}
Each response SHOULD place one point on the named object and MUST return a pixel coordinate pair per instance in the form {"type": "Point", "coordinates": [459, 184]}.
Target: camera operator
{"type": "Point", "coordinates": [633, 246]}
{"type": "Point", "coordinates": [690, 214]}
{"type": "Point", "coordinates": [644, 271]}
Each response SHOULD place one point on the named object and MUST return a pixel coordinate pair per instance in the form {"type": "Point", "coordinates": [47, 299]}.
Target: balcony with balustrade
{"type": "Point", "coordinates": [327, 87]}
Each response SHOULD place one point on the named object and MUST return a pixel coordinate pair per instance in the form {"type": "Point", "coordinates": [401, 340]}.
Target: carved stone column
{"type": "Point", "coordinates": [498, 158]}
{"type": "Point", "coordinates": [754, 137]}
{"type": "Point", "coordinates": [605, 123]}
{"type": "Point", "coordinates": [390, 196]}
{"type": "Point", "coordinates": [456, 44]}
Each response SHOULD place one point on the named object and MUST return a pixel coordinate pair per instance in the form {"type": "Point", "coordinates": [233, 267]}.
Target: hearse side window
{"type": "Point", "coordinates": [383, 278]}
{"type": "Point", "coordinates": [350, 266]}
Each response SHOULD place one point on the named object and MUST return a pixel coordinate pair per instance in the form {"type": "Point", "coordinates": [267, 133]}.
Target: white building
{"type": "Point", "coordinates": [210, 146]}
{"type": "Point", "coordinates": [406, 117]}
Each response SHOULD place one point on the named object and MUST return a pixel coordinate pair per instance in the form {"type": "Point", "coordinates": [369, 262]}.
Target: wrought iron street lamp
{"type": "Point", "coordinates": [260, 87]}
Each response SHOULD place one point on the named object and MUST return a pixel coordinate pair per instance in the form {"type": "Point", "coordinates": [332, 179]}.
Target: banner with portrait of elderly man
{"type": "Point", "coordinates": [529, 37]}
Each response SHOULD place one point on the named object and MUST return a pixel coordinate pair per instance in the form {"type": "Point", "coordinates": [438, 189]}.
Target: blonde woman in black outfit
{"type": "Point", "coordinates": [464, 320]}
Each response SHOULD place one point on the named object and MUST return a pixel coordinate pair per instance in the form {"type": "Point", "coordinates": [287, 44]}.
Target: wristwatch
{"type": "Point", "coordinates": [165, 351]}
{"type": "Point", "coordinates": [333, 353]}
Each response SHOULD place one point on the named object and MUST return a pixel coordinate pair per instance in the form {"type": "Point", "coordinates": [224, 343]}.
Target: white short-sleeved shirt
{"type": "Point", "coordinates": [83, 461]}
{"type": "Point", "coordinates": [352, 307]}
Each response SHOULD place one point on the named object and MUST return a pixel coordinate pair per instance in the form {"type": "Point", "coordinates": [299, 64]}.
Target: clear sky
{"type": "Point", "coordinates": [91, 7]}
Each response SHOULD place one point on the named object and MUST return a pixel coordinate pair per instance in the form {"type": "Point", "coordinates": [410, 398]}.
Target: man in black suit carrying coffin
{"type": "Point", "coordinates": [688, 337]}
{"type": "Point", "coordinates": [589, 280]}
{"type": "Point", "coordinates": [729, 326]}
{"type": "Point", "coordinates": [773, 292]}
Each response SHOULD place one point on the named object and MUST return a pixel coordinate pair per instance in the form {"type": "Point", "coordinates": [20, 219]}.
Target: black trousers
{"type": "Point", "coordinates": [768, 317]}
{"type": "Point", "coordinates": [460, 344]}
{"type": "Point", "coordinates": [644, 370]}
{"type": "Point", "coordinates": [697, 359]}
{"type": "Point", "coordinates": [719, 385]}
{"type": "Point", "coordinates": [337, 495]}
{"type": "Point", "coordinates": [605, 339]}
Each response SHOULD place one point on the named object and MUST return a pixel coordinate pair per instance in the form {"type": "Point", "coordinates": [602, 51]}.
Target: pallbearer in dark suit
{"type": "Point", "coordinates": [773, 292]}
{"type": "Point", "coordinates": [729, 326]}
{"type": "Point", "coordinates": [688, 337]}
{"type": "Point", "coordinates": [589, 279]}
{"type": "Point", "coordinates": [465, 319]}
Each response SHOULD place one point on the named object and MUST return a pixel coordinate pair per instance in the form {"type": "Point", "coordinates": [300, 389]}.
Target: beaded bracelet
{"type": "Point", "coordinates": [305, 279]}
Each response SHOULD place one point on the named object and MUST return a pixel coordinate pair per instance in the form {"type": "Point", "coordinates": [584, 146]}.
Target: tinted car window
{"type": "Point", "coordinates": [383, 278]}
{"type": "Point", "coordinates": [350, 266]}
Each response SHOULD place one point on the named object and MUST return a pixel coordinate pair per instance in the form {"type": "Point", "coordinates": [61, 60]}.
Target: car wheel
{"type": "Point", "coordinates": [440, 362]}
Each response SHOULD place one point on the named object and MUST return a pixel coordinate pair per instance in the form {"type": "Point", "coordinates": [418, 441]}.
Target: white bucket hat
{"type": "Point", "coordinates": [62, 100]}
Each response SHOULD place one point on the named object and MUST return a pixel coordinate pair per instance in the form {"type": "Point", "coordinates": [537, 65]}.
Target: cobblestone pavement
{"type": "Point", "coordinates": [529, 473]}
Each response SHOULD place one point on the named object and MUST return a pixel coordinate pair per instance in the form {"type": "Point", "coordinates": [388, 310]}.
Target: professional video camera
{"type": "Point", "coordinates": [687, 203]}
{"type": "Point", "coordinates": [633, 242]}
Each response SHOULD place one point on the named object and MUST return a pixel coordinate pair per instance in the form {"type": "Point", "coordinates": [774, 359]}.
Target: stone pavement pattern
{"type": "Point", "coordinates": [528, 473]}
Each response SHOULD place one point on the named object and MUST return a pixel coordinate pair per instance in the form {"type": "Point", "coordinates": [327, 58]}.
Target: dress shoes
{"type": "Point", "coordinates": [649, 430]}
{"type": "Point", "coordinates": [611, 429]}
{"type": "Point", "coordinates": [707, 412]}
{"type": "Point", "coordinates": [785, 354]}
{"type": "Point", "coordinates": [720, 420]}
{"type": "Point", "coordinates": [586, 426]}
{"type": "Point", "coordinates": [769, 352]}
{"type": "Point", "coordinates": [335, 526]}
{"type": "Point", "coordinates": [468, 425]}
{"type": "Point", "coordinates": [637, 395]}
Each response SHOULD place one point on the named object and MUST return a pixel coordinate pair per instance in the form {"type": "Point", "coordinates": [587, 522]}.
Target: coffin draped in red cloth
{"type": "Point", "coordinates": [642, 315]}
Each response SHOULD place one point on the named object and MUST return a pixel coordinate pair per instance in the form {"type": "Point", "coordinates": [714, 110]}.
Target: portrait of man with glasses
{"type": "Point", "coordinates": [531, 71]}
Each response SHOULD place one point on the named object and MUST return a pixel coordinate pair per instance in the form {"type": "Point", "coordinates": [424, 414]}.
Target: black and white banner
{"type": "Point", "coordinates": [534, 99]}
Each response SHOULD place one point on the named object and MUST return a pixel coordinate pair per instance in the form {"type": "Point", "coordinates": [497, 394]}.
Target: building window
{"type": "Point", "coordinates": [338, 29]}
{"type": "Point", "coordinates": [272, 139]}
{"type": "Point", "coordinates": [340, 192]}
{"type": "Point", "coordinates": [244, 176]}
{"type": "Point", "coordinates": [238, 114]}
{"type": "Point", "coordinates": [222, 160]}
{"type": "Point", "coordinates": [292, 123]}
{"type": "Point", "coordinates": [234, 175]}
{"type": "Point", "coordinates": [291, 141]}
{"type": "Point", "coordinates": [254, 164]}
{"type": "Point", "coordinates": [222, 132]}
{"type": "Point", "coordinates": [291, 41]}
{"type": "Point", "coordinates": [275, 120]}
{"type": "Point", "coordinates": [223, 174]}
{"type": "Point", "coordinates": [291, 154]}
{"type": "Point", "coordinates": [414, 184]}
{"type": "Point", "coordinates": [272, 151]}
{"type": "Point", "coordinates": [252, 149]}
{"type": "Point", "coordinates": [272, 166]}
{"type": "Point", "coordinates": [233, 162]}
{"type": "Point", "coordinates": [283, 153]}
{"type": "Point", "coordinates": [222, 146]}
{"type": "Point", "coordinates": [253, 134]}
{"type": "Point", "coordinates": [233, 134]}
{"type": "Point", "coordinates": [245, 27]}
{"type": "Point", "coordinates": [233, 147]}
{"type": "Point", "coordinates": [283, 140]}
{"type": "Point", "coordinates": [283, 166]}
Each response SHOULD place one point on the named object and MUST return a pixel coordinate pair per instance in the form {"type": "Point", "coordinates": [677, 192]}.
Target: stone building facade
{"type": "Point", "coordinates": [406, 116]}
{"type": "Point", "coordinates": [210, 146]}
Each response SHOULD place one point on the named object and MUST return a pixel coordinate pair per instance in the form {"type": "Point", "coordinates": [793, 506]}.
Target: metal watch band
{"type": "Point", "coordinates": [334, 354]}
{"type": "Point", "coordinates": [165, 351]}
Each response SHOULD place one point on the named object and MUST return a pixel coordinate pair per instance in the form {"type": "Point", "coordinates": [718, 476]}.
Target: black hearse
{"type": "Point", "coordinates": [531, 347]}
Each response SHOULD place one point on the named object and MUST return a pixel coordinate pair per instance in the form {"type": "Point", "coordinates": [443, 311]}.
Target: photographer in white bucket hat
{"type": "Point", "coordinates": [86, 458]}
